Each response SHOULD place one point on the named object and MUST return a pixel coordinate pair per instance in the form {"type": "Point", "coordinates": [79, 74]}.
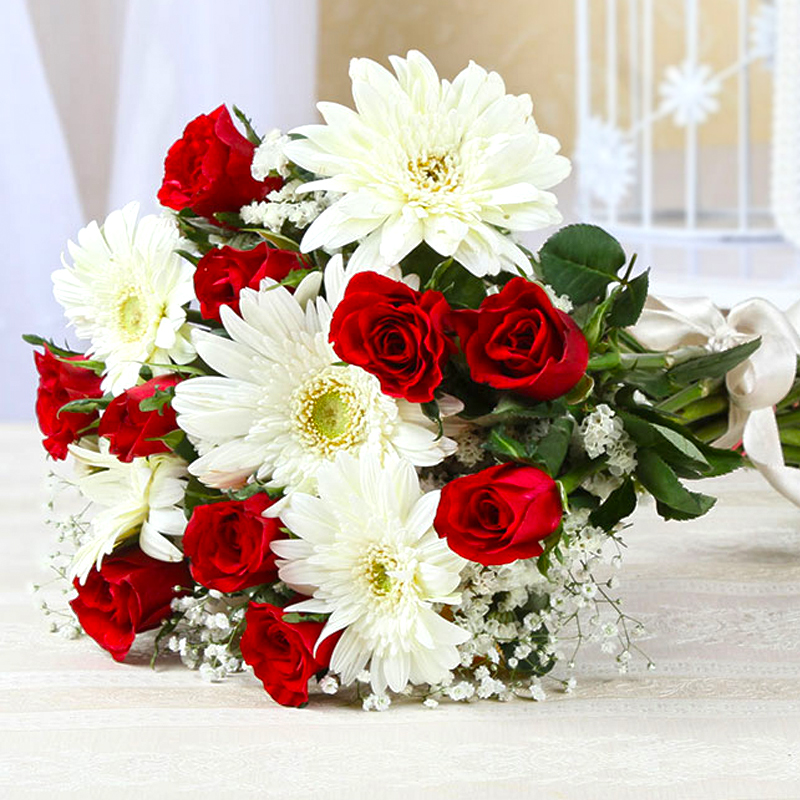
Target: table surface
{"type": "Point", "coordinates": [719, 718]}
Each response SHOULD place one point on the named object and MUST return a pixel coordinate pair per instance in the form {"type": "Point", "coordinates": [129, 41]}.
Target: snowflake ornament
{"type": "Point", "coordinates": [606, 161]}
{"type": "Point", "coordinates": [764, 33]}
{"type": "Point", "coordinates": [689, 93]}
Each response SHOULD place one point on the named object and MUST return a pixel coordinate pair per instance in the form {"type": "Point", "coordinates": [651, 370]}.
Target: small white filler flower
{"type": "Point", "coordinates": [139, 501]}
{"type": "Point", "coordinates": [368, 555]}
{"type": "Point", "coordinates": [125, 293]}
{"type": "Point", "coordinates": [283, 405]}
{"type": "Point", "coordinates": [424, 159]}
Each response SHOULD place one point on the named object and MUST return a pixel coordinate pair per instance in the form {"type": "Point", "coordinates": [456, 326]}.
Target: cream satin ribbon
{"type": "Point", "coordinates": [755, 385]}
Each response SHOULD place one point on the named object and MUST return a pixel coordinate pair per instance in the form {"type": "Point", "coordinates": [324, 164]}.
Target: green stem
{"type": "Point", "coordinates": [789, 417]}
{"type": "Point", "coordinates": [791, 453]}
{"type": "Point", "coordinates": [790, 436]}
{"type": "Point", "coordinates": [645, 360]}
{"type": "Point", "coordinates": [688, 395]}
{"type": "Point", "coordinates": [712, 429]}
{"type": "Point", "coordinates": [610, 360]}
{"type": "Point", "coordinates": [791, 398]}
{"type": "Point", "coordinates": [705, 407]}
{"type": "Point", "coordinates": [630, 342]}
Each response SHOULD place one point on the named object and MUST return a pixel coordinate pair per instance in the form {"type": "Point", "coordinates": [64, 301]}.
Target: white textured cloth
{"type": "Point", "coordinates": [719, 718]}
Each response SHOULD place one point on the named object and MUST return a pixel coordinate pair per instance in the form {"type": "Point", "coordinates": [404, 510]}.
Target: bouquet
{"type": "Point", "coordinates": [336, 425]}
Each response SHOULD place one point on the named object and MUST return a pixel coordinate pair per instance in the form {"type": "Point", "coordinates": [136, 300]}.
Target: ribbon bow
{"type": "Point", "coordinates": [755, 385]}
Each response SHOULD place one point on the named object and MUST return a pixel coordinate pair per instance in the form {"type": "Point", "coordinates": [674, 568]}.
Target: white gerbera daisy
{"type": "Point", "coordinates": [140, 501]}
{"type": "Point", "coordinates": [125, 292]}
{"type": "Point", "coordinates": [428, 160]}
{"type": "Point", "coordinates": [369, 556]}
{"type": "Point", "coordinates": [285, 405]}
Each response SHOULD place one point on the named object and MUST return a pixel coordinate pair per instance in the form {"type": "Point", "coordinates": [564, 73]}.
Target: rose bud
{"type": "Point", "coordinates": [131, 593]}
{"type": "Point", "coordinates": [228, 544]}
{"type": "Point", "coordinates": [394, 333]}
{"type": "Point", "coordinates": [133, 433]}
{"type": "Point", "coordinates": [208, 168]}
{"type": "Point", "coordinates": [282, 653]}
{"type": "Point", "coordinates": [61, 383]}
{"type": "Point", "coordinates": [517, 340]}
{"type": "Point", "coordinates": [499, 514]}
{"type": "Point", "coordinates": [222, 273]}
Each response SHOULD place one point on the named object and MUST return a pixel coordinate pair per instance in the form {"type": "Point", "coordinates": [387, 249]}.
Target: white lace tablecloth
{"type": "Point", "coordinates": [719, 718]}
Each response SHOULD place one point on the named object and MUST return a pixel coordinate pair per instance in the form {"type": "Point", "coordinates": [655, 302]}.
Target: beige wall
{"type": "Point", "coordinates": [531, 44]}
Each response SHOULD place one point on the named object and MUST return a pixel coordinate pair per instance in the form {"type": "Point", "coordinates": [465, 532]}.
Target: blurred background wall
{"type": "Point", "coordinates": [100, 88]}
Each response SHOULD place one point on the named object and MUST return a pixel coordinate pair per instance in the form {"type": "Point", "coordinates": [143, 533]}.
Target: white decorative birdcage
{"type": "Point", "coordinates": [675, 144]}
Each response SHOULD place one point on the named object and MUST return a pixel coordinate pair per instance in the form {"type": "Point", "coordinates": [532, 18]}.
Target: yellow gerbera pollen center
{"type": "Point", "coordinates": [378, 569]}
{"type": "Point", "coordinates": [329, 413]}
{"type": "Point", "coordinates": [434, 172]}
{"type": "Point", "coordinates": [131, 316]}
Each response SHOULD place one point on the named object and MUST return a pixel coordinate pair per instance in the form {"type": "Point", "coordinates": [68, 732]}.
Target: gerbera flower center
{"type": "Point", "coordinates": [132, 315]}
{"type": "Point", "coordinates": [329, 413]}
{"type": "Point", "coordinates": [434, 172]}
{"type": "Point", "coordinates": [379, 572]}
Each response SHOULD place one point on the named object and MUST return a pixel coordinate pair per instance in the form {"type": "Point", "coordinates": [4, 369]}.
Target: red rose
{"type": "Point", "coordinates": [518, 341]}
{"type": "Point", "coordinates": [222, 273]}
{"type": "Point", "coordinates": [60, 383]}
{"type": "Point", "coordinates": [228, 544]}
{"type": "Point", "coordinates": [131, 593]}
{"type": "Point", "coordinates": [134, 433]}
{"type": "Point", "coordinates": [499, 514]}
{"type": "Point", "coordinates": [394, 333]}
{"type": "Point", "coordinates": [282, 653]}
{"type": "Point", "coordinates": [208, 168]}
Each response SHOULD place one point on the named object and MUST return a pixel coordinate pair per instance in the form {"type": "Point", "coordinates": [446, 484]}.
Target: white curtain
{"type": "Point", "coordinates": [173, 60]}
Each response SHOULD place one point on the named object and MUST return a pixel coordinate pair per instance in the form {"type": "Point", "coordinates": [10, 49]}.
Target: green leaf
{"type": "Point", "coordinates": [594, 327]}
{"type": "Point", "coordinates": [85, 405]}
{"type": "Point", "coordinates": [673, 499]}
{"type": "Point", "coordinates": [293, 618]}
{"type": "Point", "coordinates": [183, 447]}
{"type": "Point", "coordinates": [619, 504]}
{"type": "Point", "coordinates": [551, 450]}
{"type": "Point", "coordinates": [713, 365]}
{"type": "Point", "coordinates": [499, 442]}
{"type": "Point", "coordinates": [98, 367]}
{"type": "Point", "coordinates": [281, 242]}
{"type": "Point", "coordinates": [655, 384]}
{"type": "Point", "coordinates": [422, 261]}
{"type": "Point", "coordinates": [630, 301]}
{"type": "Point", "coordinates": [157, 401]}
{"type": "Point", "coordinates": [460, 287]}
{"type": "Point", "coordinates": [514, 407]}
{"type": "Point", "coordinates": [550, 543]}
{"type": "Point", "coordinates": [580, 391]}
{"type": "Point", "coordinates": [673, 445]}
{"type": "Point", "coordinates": [251, 489]}
{"type": "Point", "coordinates": [190, 257]}
{"type": "Point", "coordinates": [172, 439]}
{"type": "Point", "coordinates": [431, 411]}
{"type": "Point", "coordinates": [580, 261]}
{"type": "Point", "coordinates": [198, 494]}
{"type": "Point", "coordinates": [252, 136]}
{"type": "Point", "coordinates": [718, 460]}
{"type": "Point", "coordinates": [230, 218]}
{"type": "Point", "coordinates": [39, 341]}
{"type": "Point", "coordinates": [478, 398]}
{"type": "Point", "coordinates": [296, 276]}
